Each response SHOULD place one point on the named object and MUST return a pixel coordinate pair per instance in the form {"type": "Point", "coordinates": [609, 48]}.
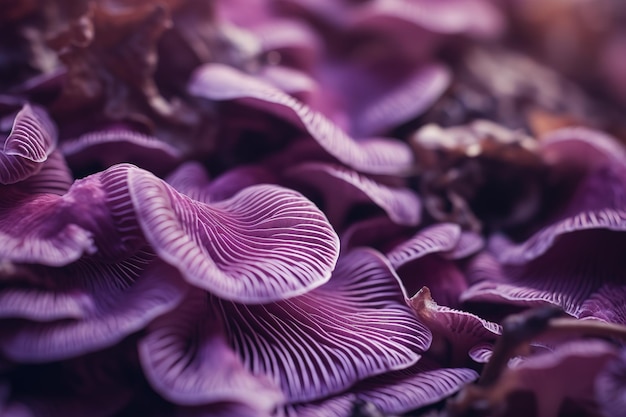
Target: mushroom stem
{"type": "Point", "coordinates": [518, 331]}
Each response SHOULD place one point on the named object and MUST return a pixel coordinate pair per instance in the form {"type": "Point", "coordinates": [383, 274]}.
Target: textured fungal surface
{"type": "Point", "coordinates": [312, 208]}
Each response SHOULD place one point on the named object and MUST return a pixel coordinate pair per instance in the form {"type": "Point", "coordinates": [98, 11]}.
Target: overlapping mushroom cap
{"type": "Point", "coordinates": [306, 208]}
